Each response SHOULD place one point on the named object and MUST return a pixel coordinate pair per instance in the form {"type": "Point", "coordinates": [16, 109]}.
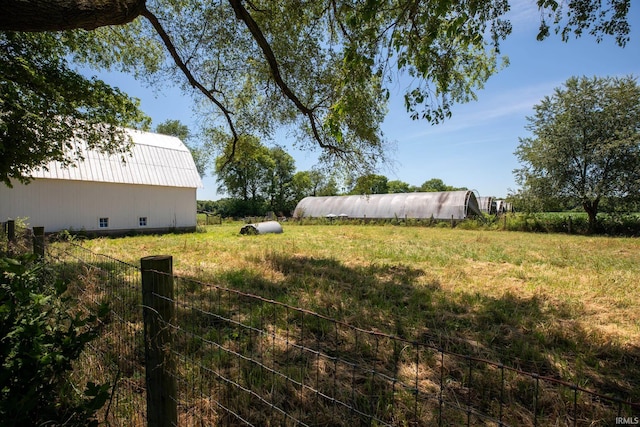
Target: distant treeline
{"type": "Point", "coordinates": [282, 197]}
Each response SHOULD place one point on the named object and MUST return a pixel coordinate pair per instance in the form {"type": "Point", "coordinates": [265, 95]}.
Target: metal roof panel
{"type": "Point", "coordinates": [154, 160]}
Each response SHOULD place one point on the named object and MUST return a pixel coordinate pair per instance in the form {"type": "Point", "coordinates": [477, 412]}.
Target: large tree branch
{"type": "Point", "coordinates": [38, 15]}
{"type": "Point", "coordinates": [189, 75]}
{"type": "Point", "coordinates": [243, 14]}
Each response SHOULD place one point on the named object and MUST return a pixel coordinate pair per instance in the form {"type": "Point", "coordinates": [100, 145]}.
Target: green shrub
{"type": "Point", "coordinates": [470, 224]}
{"type": "Point", "coordinates": [40, 339]}
{"type": "Point", "coordinates": [622, 225]}
{"type": "Point", "coordinates": [574, 223]}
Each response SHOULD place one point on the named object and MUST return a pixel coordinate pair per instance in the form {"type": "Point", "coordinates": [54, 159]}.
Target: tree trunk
{"type": "Point", "coordinates": [58, 15]}
{"type": "Point", "coordinates": [591, 208]}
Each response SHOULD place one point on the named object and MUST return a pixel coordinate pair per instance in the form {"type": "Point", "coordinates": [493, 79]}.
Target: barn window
{"type": "Point", "coordinates": [142, 221]}
{"type": "Point", "coordinates": [104, 222]}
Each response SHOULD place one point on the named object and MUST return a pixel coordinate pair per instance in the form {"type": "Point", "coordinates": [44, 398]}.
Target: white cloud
{"type": "Point", "coordinates": [489, 111]}
{"type": "Point", "coordinates": [524, 15]}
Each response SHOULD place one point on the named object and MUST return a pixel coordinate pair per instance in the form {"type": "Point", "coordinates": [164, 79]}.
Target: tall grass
{"type": "Point", "coordinates": [559, 305]}
{"type": "Point", "coordinates": [597, 277]}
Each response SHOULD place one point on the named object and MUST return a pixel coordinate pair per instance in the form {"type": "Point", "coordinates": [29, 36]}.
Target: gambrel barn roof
{"type": "Point", "coordinates": [155, 159]}
{"type": "Point", "coordinates": [437, 205]}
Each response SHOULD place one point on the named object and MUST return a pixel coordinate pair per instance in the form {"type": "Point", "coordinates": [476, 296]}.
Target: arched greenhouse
{"type": "Point", "coordinates": [438, 205]}
{"type": "Point", "coordinates": [486, 205]}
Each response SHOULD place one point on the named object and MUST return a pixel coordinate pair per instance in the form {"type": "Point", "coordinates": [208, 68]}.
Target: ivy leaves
{"type": "Point", "coordinates": [40, 340]}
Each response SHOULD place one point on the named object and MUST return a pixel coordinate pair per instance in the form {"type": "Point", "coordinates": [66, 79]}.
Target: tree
{"type": "Point", "coordinates": [318, 181]}
{"type": "Point", "coordinates": [280, 181]}
{"type": "Point", "coordinates": [371, 184]}
{"type": "Point", "coordinates": [323, 183]}
{"type": "Point", "coordinates": [245, 176]}
{"type": "Point", "coordinates": [329, 188]}
{"type": "Point", "coordinates": [320, 66]}
{"type": "Point", "coordinates": [397, 186]}
{"type": "Point", "coordinates": [174, 128]}
{"type": "Point", "coordinates": [301, 185]}
{"type": "Point", "coordinates": [67, 14]}
{"type": "Point", "coordinates": [436, 184]}
{"type": "Point", "coordinates": [525, 200]}
{"type": "Point", "coordinates": [45, 107]}
{"type": "Point", "coordinates": [261, 178]}
{"type": "Point", "coordinates": [17, 15]}
{"type": "Point", "coordinates": [585, 144]}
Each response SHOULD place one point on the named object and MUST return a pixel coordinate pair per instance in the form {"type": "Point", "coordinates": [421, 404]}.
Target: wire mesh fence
{"type": "Point", "coordinates": [117, 356]}
{"type": "Point", "coordinates": [242, 359]}
{"type": "Point", "coordinates": [274, 364]}
{"type": "Point", "coordinates": [15, 238]}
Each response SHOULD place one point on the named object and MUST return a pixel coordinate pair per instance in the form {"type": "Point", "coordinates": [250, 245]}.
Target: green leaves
{"type": "Point", "coordinates": [44, 106]}
{"type": "Point", "coordinates": [593, 17]}
{"type": "Point", "coordinates": [586, 143]}
{"type": "Point", "coordinates": [321, 68]}
{"type": "Point", "coordinates": [40, 340]}
{"type": "Point", "coordinates": [260, 177]}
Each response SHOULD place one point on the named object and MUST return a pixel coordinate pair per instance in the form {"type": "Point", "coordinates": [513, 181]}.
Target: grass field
{"type": "Point", "coordinates": [470, 284]}
{"type": "Point", "coordinates": [561, 306]}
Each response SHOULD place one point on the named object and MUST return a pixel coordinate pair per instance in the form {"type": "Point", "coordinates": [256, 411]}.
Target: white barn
{"type": "Point", "coordinates": [154, 190]}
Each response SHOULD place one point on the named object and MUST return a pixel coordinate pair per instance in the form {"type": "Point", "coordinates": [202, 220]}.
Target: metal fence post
{"type": "Point", "coordinates": [38, 241]}
{"type": "Point", "coordinates": [158, 314]}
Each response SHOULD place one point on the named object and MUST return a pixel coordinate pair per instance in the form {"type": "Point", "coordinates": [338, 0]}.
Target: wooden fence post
{"type": "Point", "coordinates": [11, 231]}
{"type": "Point", "coordinates": [158, 315]}
{"type": "Point", "coordinates": [11, 236]}
{"type": "Point", "coordinates": [38, 241]}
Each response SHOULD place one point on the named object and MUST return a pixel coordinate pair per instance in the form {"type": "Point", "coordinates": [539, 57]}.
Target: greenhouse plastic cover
{"type": "Point", "coordinates": [262, 228]}
{"type": "Point", "coordinates": [437, 205]}
{"type": "Point", "coordinates": [485, 203]}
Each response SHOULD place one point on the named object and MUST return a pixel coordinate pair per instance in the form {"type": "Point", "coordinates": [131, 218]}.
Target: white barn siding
{"type": "Point", "coordinates": [158, 182]}
{"type": "Point", "coordinates": [78, 205]}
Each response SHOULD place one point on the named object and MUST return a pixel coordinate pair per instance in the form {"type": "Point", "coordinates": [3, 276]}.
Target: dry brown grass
{"type": "Point", "coordinates": [562, 306]}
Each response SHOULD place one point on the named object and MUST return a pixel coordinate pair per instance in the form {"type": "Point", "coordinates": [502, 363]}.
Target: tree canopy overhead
{"type": "Point", "coordinates": [45, 106]}
{"type": "Point", "coordinates": [321, 68]}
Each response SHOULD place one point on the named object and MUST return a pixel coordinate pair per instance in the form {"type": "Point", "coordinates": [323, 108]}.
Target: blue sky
{"type": "Point", "coordinates": [474, 148]}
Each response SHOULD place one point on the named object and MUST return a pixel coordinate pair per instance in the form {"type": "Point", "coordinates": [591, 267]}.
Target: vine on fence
{"type": "Point", "coordinates": [40, 340]}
